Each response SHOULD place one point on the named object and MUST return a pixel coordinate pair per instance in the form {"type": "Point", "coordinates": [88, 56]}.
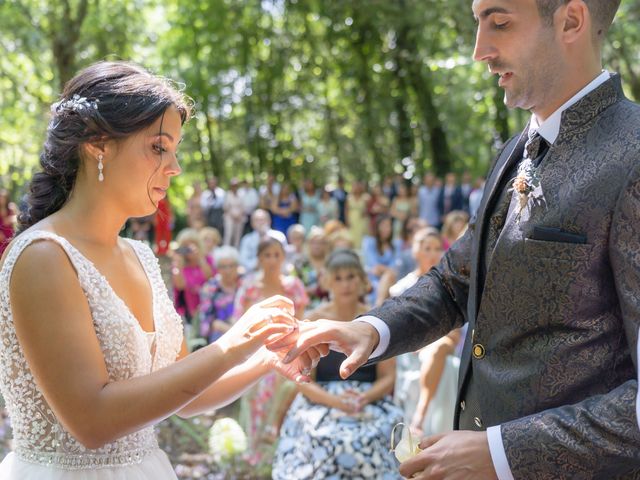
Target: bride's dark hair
{"type": "Point", "coordinates": [105, 101]}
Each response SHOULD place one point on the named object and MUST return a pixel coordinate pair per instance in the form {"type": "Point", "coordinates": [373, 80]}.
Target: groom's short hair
{"type": "Point", "coordinates": [602, 12]}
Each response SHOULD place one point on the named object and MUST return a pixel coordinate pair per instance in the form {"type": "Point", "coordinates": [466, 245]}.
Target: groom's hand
{"type": "Point", "coordinates": [461, 455]}
{"type": "Point", "coordinates": [355, 339]}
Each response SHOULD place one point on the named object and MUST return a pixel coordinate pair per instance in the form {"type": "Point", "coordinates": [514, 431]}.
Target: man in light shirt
{"type": "Point", "coordinates": [548, 274]}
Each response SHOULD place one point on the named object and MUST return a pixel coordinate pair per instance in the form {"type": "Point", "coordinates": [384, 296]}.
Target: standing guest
{"type": "Point", "coordinates": [218, 295]}
{"type": "Point", "coordinates": [336, 428]}
{"type": "Point", "coordinates": [188, 273]}
{"type": "Point", "coordinates": [212, 202]}
{"type": "Point", "coordinates": [163, 225]}
{"type": "Point", "coordinates": [340, 194]}
{"type": "Point", "coordinates": [378, 204]}
{"type": "Point", "coordinates": [310, 267]}
{"type": "Point", "coordinates": [93, 354]}
{"type": "Point", "coordinates": [450, 198]}
{"type": "Point", "coordinates": [210, 240]}
{"type": "Point", "coordinates": [466, 187]}
{"type": "Point", "coordinates": [261, 226]}
{"type": "Point", "coordinates": [309, 199]}
{"type": "Point", "coordinates": [356, 211]}
{"type": "Point", "coordinates": [428, 195]}
{"type": "Point", "coordinates": [234, 215]}
{"type": "Point", "coordinates": [476, 196]}
{"type": "Point", "coordinates": [379, 252]}
{"type": "Point", "coordinates": [547, 276]}
{"type": "Point", "coordinates": [402, 208]}
{"type": "Point", "coordinates": [389, 188]}
{"type": "Point", "coordinates": [327, 207]}
{"type": "Point", "coordinates": [7, 220]}
{"type": "Point", "coordinates": [264, 405]}
{"type": "Point", "coordinates": [269, 192]}
{"type": "Point", "coordinates": [294, 250]}
{"type": "Point", "coordinates": [195, 213]}
{"type": "Point", "coordinates": [284, 208]}
{"type": "Point", "coordinates": [455, 224]}
{"type": "Point", "coordinates": [250, 200]}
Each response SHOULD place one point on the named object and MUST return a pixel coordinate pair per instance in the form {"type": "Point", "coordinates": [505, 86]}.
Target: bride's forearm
{"type": "Point", "coordinates": [227, 388]}
{"type": "Point", "coordinates": [121, 407]}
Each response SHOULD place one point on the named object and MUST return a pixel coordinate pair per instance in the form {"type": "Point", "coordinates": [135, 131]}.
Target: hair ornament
{"type": "Point", "coordinates": [76, 104]}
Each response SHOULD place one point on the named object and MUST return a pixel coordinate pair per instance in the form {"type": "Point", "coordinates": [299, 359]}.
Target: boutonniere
{"type": "Point", "coordinates": [525, 184]}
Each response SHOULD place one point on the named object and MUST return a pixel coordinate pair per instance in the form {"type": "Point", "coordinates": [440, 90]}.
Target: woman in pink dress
{"type": "Point", "coordinates": [264, 406]}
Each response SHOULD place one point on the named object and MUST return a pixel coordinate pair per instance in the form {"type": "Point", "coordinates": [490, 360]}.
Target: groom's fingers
{"type": "Point", "coordinates": [355, 360]}
{"type": "Point", "coordinates": [307, 339]}
{"type": "Point", "coordinates": [428, 441]}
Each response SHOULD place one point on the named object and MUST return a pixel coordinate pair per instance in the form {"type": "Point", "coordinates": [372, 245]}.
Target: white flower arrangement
{"type": "Point", "coordinates": [226, 439]}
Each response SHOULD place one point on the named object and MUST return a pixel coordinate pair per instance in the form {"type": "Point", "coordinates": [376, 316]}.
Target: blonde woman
{"type": "Point", "coordinates": [340, 428]}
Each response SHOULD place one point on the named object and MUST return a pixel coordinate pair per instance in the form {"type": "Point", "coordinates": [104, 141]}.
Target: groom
{"type": "Point", "coordinates": [547, 275]}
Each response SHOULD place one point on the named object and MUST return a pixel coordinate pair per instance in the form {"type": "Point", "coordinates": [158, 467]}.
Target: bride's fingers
{"type": "Point", "coordinates": [269, 330]}
{"type": "Point", "coordinates": [289, 341]}
{"type": "Point", "coordinates": [278, 301]}
{"type": "Point", "coordinates": [273, 315]}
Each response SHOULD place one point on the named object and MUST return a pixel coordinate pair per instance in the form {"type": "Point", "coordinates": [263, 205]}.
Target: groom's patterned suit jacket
{"type": "Point", "coordinates": [550, 353]}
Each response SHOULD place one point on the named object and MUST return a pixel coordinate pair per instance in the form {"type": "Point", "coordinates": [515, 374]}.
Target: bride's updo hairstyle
{"type": "Point", "coordinates": [106, 101]}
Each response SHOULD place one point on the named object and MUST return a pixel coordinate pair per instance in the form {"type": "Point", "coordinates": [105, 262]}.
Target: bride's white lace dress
{"type": "Point", "coordinates": [42, 448]}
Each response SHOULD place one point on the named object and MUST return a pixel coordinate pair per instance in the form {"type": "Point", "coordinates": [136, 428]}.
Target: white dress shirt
{"type": "Point", "coordinates": [549, 130]}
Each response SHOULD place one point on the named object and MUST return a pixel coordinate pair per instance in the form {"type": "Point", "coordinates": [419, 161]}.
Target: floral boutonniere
{"type": "Point", "coordinates": [525, 184]}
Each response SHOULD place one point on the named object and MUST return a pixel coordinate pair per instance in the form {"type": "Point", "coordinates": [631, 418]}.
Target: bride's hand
{"type": "Point", "coordinates": [265, 322]}
{"type": "Point", "coordinates": [299, 370]}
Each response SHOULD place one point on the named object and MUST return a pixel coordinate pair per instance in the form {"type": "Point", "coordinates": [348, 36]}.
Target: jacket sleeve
{"type": "Point", "coordinates": [434, 306]}
{"type": "Point", "coordinates": [600, 436]}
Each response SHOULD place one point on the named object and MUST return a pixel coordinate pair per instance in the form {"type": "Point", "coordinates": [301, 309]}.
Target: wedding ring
{"type": "Point", "coordinates": [269, 318]}
{"type": "Point", "coordinates": [306, 372]}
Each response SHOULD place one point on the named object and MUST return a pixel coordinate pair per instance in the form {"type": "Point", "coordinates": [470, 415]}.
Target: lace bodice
{"type": "Point", "coordinates": [128, 351]}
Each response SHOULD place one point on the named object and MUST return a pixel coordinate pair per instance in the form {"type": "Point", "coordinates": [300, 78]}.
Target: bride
{"type": "Point", "coordinates": [92, 352]}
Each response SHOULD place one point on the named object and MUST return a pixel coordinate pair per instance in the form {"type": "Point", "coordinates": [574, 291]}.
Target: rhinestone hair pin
{"type": "Point", "coordinates": [76, 103]}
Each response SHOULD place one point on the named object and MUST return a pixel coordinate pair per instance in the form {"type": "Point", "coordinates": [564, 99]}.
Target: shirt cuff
{"type": "Point", "coordinates": [498, 455]}
{"type": "Point", "coordinates": [383, 333]}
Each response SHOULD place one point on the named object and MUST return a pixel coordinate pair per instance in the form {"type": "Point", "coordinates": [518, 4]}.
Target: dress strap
{"type": "Point", "coordinates": [24, 240]}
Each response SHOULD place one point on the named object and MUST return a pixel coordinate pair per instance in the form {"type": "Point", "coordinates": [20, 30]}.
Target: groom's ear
{"type": "Point", "coordinates": [574, 22]}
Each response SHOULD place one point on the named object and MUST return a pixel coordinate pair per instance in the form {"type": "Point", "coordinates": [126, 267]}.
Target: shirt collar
{"type": "Point", "coordinates": [550, 128]}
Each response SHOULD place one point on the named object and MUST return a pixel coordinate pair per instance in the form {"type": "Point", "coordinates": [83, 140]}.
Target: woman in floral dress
{"type": "Point", "coordinates": [263, 406]}
{"type": "Point", "coordinates": [341, 428]}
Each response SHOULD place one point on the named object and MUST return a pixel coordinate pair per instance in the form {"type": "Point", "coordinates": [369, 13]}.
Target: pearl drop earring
{"type": "Point", "coordinates": [100, 168]}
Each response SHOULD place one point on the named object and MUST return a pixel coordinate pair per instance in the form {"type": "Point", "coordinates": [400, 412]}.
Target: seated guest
{"type": "Point", "coordinates": [455, 224]}
{"type": "Point", "coordinates": [296, 235]}
{"type": "Point", "coordinates": [309, 267]}
{"type": "Point", "coordinates": [210, 239]}
{"type": "Point", "coordinates": [263, 406]}
{"type": "Point", "coordinates": [261, 226]}
{"type": "Point", "coordinates": [426, 381]}
{"type": "Point", "coordinates": [379, 253]}
{"type": "Point", "coordinates": [340, 428]}
{"type": "Point", "coordinates": [189, 272]}
{"type": "Point", "coordinates": [218, 294]}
